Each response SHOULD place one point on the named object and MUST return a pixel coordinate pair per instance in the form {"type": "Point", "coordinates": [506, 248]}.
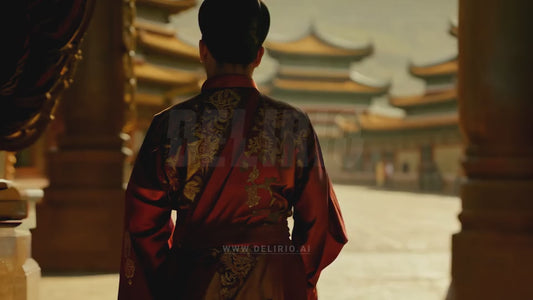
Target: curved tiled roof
{"type": "Point", "coordinates": [161, 39]}
{"type": "Point", "coordinates": [312, 44]}
{"type": "Point", "coordinates": [448, 67]}
{"type": "Point", "coordinates": [373, 122]}
{"type": "Point", "coordinates": [310, 73]}
{"type": "Point", "coordinates": [428, 98]}
{"type": "Point", "coordinates": [146, 72]}
{"type": "Point", "coordinates": [346, 86]}
{"type": "Point", "coordinates": [148, 99]}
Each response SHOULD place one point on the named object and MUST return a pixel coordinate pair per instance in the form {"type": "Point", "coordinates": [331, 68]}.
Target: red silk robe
{"type": "Point", "coordinates": [235, 165]}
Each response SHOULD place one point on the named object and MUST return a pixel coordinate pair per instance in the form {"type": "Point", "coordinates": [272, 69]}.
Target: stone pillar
{"type": "Point", "coordinates": [81, 215]}
{"type": "Point", "coordinates": [492, 255]}
{"type": "Point", "coordinates": [7, 165]}
{"type": "Point", "coordinates": [3, 164]}
{"type": "Point", "coordinates": [19, 273]}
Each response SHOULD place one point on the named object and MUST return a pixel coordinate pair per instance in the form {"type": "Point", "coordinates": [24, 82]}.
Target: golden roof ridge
{"type": "Point", "coordinates": [427, 98]}
{"type": "Point", "coordinates": [167, 44]}
{"type": "Point", "coordinates": [318, 85]}
{"type": "Point", "coordinates": [146, 72]}
{"type": "Point", "coordinates": [313, 43]}
{"type": "Point", "coordinates": [448, 66]}
{"type": "Point", "coordinates": [374, 122]}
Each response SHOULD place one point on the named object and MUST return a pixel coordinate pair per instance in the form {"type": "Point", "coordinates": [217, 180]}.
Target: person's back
{"type": "Point", "coordinates": [235, 165]}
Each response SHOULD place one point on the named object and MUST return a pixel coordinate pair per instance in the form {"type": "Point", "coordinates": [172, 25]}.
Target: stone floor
{"type": "Point", "coordinates": [399, 249]}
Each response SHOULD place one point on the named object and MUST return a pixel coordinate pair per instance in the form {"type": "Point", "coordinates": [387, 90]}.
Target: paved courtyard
{"type": "Point", "coordinates": [399, 249]}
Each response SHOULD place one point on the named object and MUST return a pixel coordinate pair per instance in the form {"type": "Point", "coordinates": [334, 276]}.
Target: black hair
{"type": "Point", "coordinates": [234, 30]}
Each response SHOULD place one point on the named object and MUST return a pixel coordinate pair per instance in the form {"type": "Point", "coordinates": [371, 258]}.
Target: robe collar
{"type": "Point", "coordinates": [229, 81]}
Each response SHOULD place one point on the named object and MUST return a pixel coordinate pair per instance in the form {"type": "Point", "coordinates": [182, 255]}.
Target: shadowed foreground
{"type": "Point", "coordinates": [399, 249]}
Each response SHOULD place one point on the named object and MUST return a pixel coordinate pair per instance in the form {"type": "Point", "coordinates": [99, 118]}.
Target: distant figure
{"type": "Point", "coordinates": [389, 173]}
{"type": "Point", "coordinates": [380, 173]}
{"type": "Point", "coordinates": [235, 165]}
{"type": "Point", "coordinates": [405, 167]}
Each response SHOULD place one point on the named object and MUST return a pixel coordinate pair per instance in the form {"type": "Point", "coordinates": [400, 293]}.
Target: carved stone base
{"type": "Point", "coordinates": [19, 273]}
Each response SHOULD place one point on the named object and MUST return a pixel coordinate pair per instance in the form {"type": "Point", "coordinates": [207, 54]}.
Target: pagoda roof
{"type": "Point", "coordinates": [146, 72]}
{"type": "Point", "coordinates": [153, 27]}
{"type": "Point", "coordinates": [310, 73]}
{"type": "Point", "coordinates": [345, 86]}
{"type": "Point", "coordinates": [328, 117]}
{"type": "Point", "coordinates": [184, 90]}
{"type": "Point", "coordinates": [148, 99]}
{"type": "Point", "coordinates": [428, 98]}
{"type": "Point", "coordinates": [347, 125]}
{"type": "Point", "coordinates": [443, 68]}
{"type": "Point", "coordinates": [323, 121]}
{"type": "Point", "coordinates": [313, 44]}
{"type": "Point", "coordinates": [374, 122]}
{"type": "Point", "coordinates": [171, 6]}
{"type": "Point", "coordinates": [328, 132]}
{"type": "Point", "coordinates": [163, 40]}
{"type": "Point", "coordinates": [328, 110]}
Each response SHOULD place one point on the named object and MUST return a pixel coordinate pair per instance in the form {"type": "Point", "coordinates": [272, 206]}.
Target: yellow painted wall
{"type": "Point", "coordinates": [448, 158]}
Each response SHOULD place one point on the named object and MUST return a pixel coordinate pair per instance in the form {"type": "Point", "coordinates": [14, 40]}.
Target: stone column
{"type": "Point", "coordinates": [19, 273]}
{"type": "Point", "coordinates": [492, 255]}
{"type": "Point", "coordinates": [81, 215]}
{"type": "Point", "coordinates": [3, 164]}
{"type": "Point", "coordinates": [7, 165]}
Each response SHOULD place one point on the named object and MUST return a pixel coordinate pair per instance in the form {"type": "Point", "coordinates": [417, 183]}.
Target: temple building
{"type": "Point", "coordinates": [314, 74]}
{"type": "Point", "coordinates": [78, 225]}
{"type": "Point", "coordinates": [167, 69]}
{"type": "Point", "coordinates": [420, 150]}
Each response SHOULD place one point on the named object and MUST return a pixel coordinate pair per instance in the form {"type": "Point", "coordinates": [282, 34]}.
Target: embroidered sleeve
{"type": "Point", "coordinates": [148, 225]}
{"type": "Point", "coordinates": [318, 223]}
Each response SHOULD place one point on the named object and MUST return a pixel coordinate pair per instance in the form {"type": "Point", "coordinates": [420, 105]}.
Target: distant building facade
{"type": "Point", "coordinates": [420, 151]}
{"type": "Point", "coordinates": [314, 74]}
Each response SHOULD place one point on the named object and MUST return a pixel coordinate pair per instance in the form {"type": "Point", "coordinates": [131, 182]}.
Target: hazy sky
{"type": "Point", "coordinates": [402, 31]}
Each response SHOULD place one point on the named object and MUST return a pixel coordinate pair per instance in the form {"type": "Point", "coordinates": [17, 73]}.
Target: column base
{"type": "Point", "coordinates": [19, 273]}
{"type": "Point", "coordinates": [79, 230]}
{"type": "Point", "coordinates": [492, 266]}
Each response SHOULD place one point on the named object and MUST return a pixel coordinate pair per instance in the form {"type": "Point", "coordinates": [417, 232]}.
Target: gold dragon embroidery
{"type": "Point", "coordinates": [129, 264]}
{"type": "Point", "coordinates": [234, 269]}
{"type": "Point", "coordinates": [271, 132]}
{"type": "Point", "coordinates": [209, 133]}
{"type": "Point", "coordinates": [253, 188]}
